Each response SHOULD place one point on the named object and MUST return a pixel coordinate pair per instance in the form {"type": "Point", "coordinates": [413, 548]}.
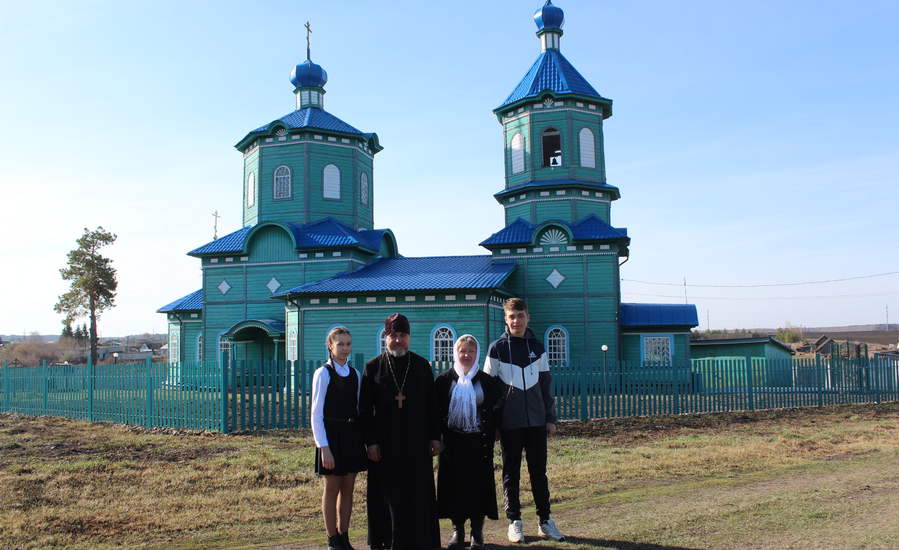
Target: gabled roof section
{"type": "Point", "coordinates": [551, 72]}
{"type": "Point", "coordinates": [191, 302]}
{"type": "Point", "coordinates": [314, 118]}
{"type": "Point", "coordinates": [410, 274]}
{"type": "Point", "coordinates": [590, 228]}
{"type": "Point", "coordinates": [658, 315]}
{"type": "Point", "coordinates": [230, 243]}
{"type": "Point", "coordinates": [737, 341]}
{"type": "Point", "coordinates": [323, 233]}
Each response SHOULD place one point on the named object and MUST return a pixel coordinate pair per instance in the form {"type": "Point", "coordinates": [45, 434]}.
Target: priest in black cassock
{"type": "Point", "coordinates": [401, 428]}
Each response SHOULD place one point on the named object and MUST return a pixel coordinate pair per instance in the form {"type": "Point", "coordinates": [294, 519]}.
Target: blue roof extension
{"type": "Point", "coordinates": [324, 233]}
{"type": "Point", "coordinates": [551, 72]}
{"type": "Point", "coordinates": [658, 315]}
{"type": "Point", "coordinates": [590, 228]}
{"type": "Point", "coordinates": [427, 273]}
{"type": "Point", "coordinates": [580, 184]}
{"type": "Point", "coordinates": [191, 302]}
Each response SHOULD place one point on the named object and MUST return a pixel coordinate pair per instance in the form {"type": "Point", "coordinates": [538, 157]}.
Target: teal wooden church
{"type": "Point", "coordinates": [309, 257]}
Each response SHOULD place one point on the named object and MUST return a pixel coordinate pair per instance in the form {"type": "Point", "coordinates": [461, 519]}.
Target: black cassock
{"type": "Point", "coordinates": [402, 510]}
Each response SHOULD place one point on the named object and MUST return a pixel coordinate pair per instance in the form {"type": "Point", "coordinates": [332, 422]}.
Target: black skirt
{"type": "Point", "coordinates": [465, 484]}
{"type": "Point", "coordinates": [345, 443]}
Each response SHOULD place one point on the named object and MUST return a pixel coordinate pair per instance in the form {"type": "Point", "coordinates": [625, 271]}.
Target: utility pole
{"type": "Point", "coordinates": [708, 323]}
{"type": "Point", "coordinates": [685, 289]}
{"type": "Point", "coordinates": [887, 306]}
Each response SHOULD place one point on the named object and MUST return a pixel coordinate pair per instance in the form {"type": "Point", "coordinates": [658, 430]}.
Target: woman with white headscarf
{"type": "Point", "coordinates": [468, 401]}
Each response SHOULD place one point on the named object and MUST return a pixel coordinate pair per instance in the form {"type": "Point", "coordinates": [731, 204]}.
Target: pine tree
{"type": "Point", "coordinates": [93, 282]}
{"type": "Point", "coordinates": [67, 331]}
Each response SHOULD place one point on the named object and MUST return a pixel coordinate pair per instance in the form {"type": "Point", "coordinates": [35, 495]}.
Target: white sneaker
{"type": "Point", "coordinates": [516, 531]}
{"type": "Point", "coordinates": [548, 529]}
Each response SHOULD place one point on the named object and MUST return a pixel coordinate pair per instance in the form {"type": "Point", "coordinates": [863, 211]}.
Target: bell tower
{"type": "Point", "coordinates": [553, 137]}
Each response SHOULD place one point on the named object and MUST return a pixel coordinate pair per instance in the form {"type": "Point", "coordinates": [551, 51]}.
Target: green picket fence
{"type": "Point", "coordinates": [248, 396]}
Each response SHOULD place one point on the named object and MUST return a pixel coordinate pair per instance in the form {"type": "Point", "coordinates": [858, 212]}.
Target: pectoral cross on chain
{"type": "Point", "coordinates": [399, 400]}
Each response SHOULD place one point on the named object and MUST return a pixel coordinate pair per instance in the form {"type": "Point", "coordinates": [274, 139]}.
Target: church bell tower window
{"type": "Point", "coordinates": [587, 148]}
{"type": "Point", "coordinates": [281, 183]}
{"type": "Point", "coordinates": [552, 148]}
{"type": "Point", "coordinates": [331, 182]}
{"type": "Point", "coordinates": [363, 189]}
{"type": "Point", "coordinates": [251, 190]}
{"type": "Point", "coordinates": [517, 147]}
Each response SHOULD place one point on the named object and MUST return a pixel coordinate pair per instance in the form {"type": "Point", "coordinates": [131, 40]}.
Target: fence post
{"type": "Point", "coordinates": [749, 391]}
{"type": "Point", "coordinates": [582, 391]}
{"type": "Point", "coordinates": [6, 389]}
{"type": "Point", "coordinates": [223, 396]}
{"type": "Point", "coordinates": [148, 419]}
{"type": "Point", "coordinates": [90, 389]}
{"type": "Point", "coordinates": [677, 380]}
{"type": "Point", "coordinates": [45, 401]}
{"type": "Point", "coordinates": [820, 372]}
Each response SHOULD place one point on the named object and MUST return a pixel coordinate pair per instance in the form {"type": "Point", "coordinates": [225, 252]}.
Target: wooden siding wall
{"type": "Point", "coordinates": [250, 164]}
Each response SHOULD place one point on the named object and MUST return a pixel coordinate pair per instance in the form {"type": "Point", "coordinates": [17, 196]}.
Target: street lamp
{"type": "Point", "coordinates": [115, 358]}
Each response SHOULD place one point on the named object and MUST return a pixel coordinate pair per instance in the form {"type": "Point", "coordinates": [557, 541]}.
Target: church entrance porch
{"type": "Point", "coordinates": [256, 354]}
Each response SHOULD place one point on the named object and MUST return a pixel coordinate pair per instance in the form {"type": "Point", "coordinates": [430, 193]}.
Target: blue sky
{"type": "Point", "coordinates": [753, 142]}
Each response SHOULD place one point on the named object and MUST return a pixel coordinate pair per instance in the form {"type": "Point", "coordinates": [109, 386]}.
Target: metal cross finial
{"type": "Point", "coordinates": [215, 227]}
{"type": "Point", "coordinates": [308, 41]}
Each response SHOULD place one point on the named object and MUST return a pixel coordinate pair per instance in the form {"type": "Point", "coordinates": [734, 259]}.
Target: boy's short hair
{"type": "Point", "coordinates": [515, 304]}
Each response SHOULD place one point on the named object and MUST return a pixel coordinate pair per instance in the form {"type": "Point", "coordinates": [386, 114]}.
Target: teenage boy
{"type": "Point", "coordinates": [518, 359]}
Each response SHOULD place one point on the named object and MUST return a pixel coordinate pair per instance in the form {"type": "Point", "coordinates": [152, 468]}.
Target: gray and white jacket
{"type": "Point", "coordinates": [521, 364]}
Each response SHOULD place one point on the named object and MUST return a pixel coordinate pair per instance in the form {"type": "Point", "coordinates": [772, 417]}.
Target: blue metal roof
{"type": "Point", "coordinates": [581, 184]}
{"type": "Point", "coordinates": [315, 118]}
{"type": "Point", "coordinates": [191, 302]}
{"type": "Point", "coordinates": [230, 243]}
{"type": "Point", "coordinates": [658, 315]}
{"type": "Point", "coordinates": [427, 273]}
{"type": "Point", "coordinates": [551, 72]}
{"type": "Point", "coordinates": [590, 228]}
{"type": "Point", "coordinates": [271, 326]}
{"type": "Point", "coordinates": [324, 233]}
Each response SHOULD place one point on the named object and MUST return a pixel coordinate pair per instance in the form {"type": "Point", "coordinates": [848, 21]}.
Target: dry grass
{"type": "Point", "coordinates": [816, 478]}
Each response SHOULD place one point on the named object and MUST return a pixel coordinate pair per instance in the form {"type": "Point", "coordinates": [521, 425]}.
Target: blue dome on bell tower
{"type": "Point", "coordinates": [308, 75]}
{"type": "Point", "coordinates": [549, 17]}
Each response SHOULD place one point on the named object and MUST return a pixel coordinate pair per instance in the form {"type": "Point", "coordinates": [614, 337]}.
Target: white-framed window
{"type": "Point", "coordinates": [363, 188]}
{"type": "Point", "coordinates": [657, 350]}
{"type": "Point", "coordinates": [557, 346]}
{"type": "Point", "coordinates": [292, 345]}
{"type": "Point", "coordinates": [199, 348]}
{"type": "Point", "coordinates": [224, 350]}
{"type": "Point", "coordinates": [517, 148]}
{"type": "Point", "coordinates": [382, 342]}
{"type": "Point", "coordinates": [442, 340]}
{"type": "Point", "coordinates": [174, 345]}
{"type": "Point", "coordinates": [331, 182]}
{"type": "Point", "coordinates": [281, 185]}
{"type": "Point", "coordinates": [251, 189]}
{"type": "Point", "coordinates": [588, 148]}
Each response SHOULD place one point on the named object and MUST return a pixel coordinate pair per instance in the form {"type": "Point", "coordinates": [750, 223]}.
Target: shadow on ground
{"type": "Point", "coordinates": [582, 542]}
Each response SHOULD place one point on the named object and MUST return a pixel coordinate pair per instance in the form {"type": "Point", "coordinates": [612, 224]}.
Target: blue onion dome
{"type": "Point", "coordinates": [549, 17]}
{"type": "Point", "coordinates": [308, 75]}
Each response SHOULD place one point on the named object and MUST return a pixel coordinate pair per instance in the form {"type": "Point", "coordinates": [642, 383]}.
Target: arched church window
{"type": "Point", "coordinates": [292, 345]}
{"type": "Point", "coordinates": [363, 188]}
{"type": "Point", "coordinates": [588, 148]}
{"type": "Point", "coordinates": [251, 189]}
{"type": "Point", "coordinates": [442, 344]}
{"type": "Point", "coordinates": [382, 341]}
{"type": "Point", "coordinates": [224, 351]}
{"type": "Point", "coordinates": [175, 346]}
{"type": "Point", "coordinates": [199, 348]}
{"type": "Point", "coordinates": [331, 182]}
{"type": "Point", "coordinates": [517, 147]}
{"type": "Point", "coordinates": [557, 346]}
{"type": "Point", "coordinates": [281, 184]}
{"type": "Point", "coordinates": [552, 147]}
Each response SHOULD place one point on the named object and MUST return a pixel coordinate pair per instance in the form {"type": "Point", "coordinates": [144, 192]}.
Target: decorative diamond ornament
{"type": "Point", "coordinates": [553, 236]}
{"type": "Point", "coordinates": [224, 287]}
{"type": "Point", "coordinates": [273, 285]}
{"type": "Point", "coordinates": [555, 278]}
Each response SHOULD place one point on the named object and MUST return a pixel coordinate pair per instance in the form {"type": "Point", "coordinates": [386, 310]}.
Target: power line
{"type": "Point", "coordinates": [757, 298]}
{"type": "Point", "coordinates": [759, 285]}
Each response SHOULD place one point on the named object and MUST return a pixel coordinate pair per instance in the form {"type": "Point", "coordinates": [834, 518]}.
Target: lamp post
{"type": "Point", "coordinates": [605, 382]}
{"type": "Point", "coordinates": [115, 358]}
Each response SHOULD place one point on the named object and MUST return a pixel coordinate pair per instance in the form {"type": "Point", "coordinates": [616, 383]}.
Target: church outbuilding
{"type": "Point", "coordinates": [309, 257]}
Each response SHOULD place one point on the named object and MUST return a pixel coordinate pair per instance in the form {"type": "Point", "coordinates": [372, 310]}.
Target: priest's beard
{"type": "Point", "coordinates": [398, 352]}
